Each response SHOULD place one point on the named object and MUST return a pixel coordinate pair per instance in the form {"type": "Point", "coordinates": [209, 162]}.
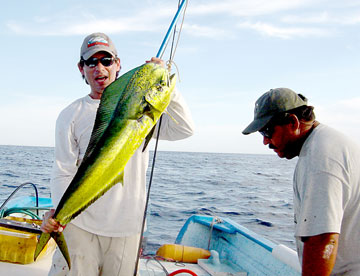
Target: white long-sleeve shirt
{"type": "Point", "coordinates": [120, 210]}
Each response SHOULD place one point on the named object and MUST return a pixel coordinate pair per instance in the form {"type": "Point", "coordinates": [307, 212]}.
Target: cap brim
{"type": "Point", "coordinates": [257, 124]}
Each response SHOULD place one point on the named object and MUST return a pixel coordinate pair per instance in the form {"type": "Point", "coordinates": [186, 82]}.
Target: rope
{"type": "Point", "coordinates": [183, 271]}
{"type": "Point", "coordinates": [159, 263]}
{"type": "Point", "coordinates": [168, 65]}
{"type": "Point", "coordinates": [215, 220]}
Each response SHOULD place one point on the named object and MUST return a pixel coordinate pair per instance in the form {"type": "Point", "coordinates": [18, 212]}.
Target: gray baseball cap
{"type": "Point", "coordinates": [97, 42]}
{"type": "Point", "coordinates": [271, 103]}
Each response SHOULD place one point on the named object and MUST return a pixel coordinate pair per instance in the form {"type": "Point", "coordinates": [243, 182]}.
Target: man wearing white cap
{"type": "Point", "coordinates": [104, 238]}
{"type": "Point", "coordinates": [326, 182]}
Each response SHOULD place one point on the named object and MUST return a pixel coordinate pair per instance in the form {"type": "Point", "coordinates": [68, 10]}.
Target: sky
{"type": "Point", "coordinates": [230, 52]}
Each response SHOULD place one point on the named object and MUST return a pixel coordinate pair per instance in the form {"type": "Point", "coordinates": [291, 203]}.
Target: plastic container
{"type": "Point", "coordinates": [182, 253]}
{"type": "Point", "coordinates": [19, 246]}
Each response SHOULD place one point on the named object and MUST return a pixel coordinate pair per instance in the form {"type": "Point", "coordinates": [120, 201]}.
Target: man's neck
{"type": "Point", "coordinates": [306, 131]}
{"type": "Point", "coordinates": [95, 95]}
{"type": "Point", "coordinates": [294, 148]}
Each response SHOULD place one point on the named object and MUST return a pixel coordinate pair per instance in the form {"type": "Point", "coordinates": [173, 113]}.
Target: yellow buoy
{"type": "Point", "coordinates": [182, 253]}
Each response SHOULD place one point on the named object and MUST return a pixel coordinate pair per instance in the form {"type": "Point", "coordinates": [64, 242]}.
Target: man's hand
{"type": "Point", "coordinates": [319, 254]}
{"type": "Point", "coordinates": [49, 224]}
{"type": "Point", "coordinates": [157, 61]}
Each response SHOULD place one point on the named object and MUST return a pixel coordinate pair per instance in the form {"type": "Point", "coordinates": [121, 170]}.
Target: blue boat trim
{"type": "Point", "coordinates": [229, 227]}
{"type": "Point", "coordinates": [30, 201]}
{"type": "Point", "coordinates": [238, 245]}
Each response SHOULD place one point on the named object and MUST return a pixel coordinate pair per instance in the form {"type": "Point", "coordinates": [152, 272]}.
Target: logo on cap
{"type": "Point", "coordinates": [97, 41]}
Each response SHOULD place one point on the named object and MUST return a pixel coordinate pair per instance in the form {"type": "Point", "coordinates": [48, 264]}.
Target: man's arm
{"type": "Point", "coordinates": [179, 125]}
{"type": "Point", "coordinates": [66, 158]}
{"type": "Point", "coordinates": [319, 254]}
{"type": "Point", "coordinates": [177, 121]}
{"type": "Point", "coordinates": [64, 168]}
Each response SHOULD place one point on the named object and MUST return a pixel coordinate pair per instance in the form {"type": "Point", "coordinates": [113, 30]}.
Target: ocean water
{"type": "Point", "coordinates": [252, 190]}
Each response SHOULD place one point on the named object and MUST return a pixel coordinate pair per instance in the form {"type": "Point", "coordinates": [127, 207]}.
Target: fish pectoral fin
{"type": "Point", "coordinates": [153, 96]}
{"type": "Point", "coordinates": [119, 179]}
{"type": "Point", "coordinates": [61, 243]}
{"type": "Point", "coordinates": [152, 99]}
{"type": "Point", "coordinates": [148, 138]}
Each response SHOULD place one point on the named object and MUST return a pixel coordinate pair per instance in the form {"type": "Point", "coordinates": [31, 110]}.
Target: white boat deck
{"type": "Point", "coordinates": [147, 267]}
{"type": "Point", "coordinates": [153, 268]}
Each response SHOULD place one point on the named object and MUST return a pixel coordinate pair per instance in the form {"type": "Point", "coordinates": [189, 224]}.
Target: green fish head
{"type": "Point", "coordinates": [159, 95]}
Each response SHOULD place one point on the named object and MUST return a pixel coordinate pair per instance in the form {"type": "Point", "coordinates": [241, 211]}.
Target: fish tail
{"type": "Point", "coordinates": [60, 241]}
{"type": "Point", "coordinates": [43, 240]}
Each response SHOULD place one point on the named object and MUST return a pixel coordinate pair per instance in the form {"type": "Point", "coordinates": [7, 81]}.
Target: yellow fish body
{"type": "Point", "coordinates": [128, 111]}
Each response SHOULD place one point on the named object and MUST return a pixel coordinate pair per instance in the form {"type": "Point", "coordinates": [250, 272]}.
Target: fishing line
{"type": "Point", "coordinates": [173, 49]}
{"type": "Point", "coordinates": [172, 53]}
{"type": "Point", "coordinates": [147, 198]}
{"type": "Point", "coordinates": [159, 54]}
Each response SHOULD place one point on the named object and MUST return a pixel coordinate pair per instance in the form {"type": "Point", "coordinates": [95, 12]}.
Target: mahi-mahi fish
{"type": "Point", "coordinates": [128, 111]}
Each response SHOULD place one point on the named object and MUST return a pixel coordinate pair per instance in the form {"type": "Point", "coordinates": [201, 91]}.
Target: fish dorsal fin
{"type": "Point", "coordinates": [109, 100]}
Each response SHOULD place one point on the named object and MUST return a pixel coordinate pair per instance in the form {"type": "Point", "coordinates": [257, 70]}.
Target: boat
{"type": "Point", "coordinates": [233, 249]}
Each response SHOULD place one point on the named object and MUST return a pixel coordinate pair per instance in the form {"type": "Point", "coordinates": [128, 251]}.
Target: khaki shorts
{"type": "Point", "coordinates": [93, 255]}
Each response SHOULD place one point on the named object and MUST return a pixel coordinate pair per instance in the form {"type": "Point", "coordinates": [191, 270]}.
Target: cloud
{"type": "Point", "coordinates": [63, 28]}
{"type": "Point", "coordinates": [284, 25]}
{"type": "Point", "coordinates": [82, 20]}
{"type": "Point", "coordinates": [206, 31]}
{"type": "Point", "coordinates": [85, 22]}
{"type": "Point", "coordinates": [289, 19]}
{"type": "Point", "coordinates": [324, 17]}
{"type": "Point", "coordinates": [246, 8]}
{"type": "Point", "coordinates": [283, 32]}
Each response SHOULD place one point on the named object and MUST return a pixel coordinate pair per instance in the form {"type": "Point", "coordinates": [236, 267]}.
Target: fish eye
{"type": "Point", "coordinates": [147, 108]}
{"type": "Point", "coordinates": [159, 87]}
{"type": "Point", "coordinates": [163, 81]}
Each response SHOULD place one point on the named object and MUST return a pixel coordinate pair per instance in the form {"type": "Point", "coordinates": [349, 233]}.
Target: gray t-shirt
{"type": "Point", "coordinates": [327, 195]}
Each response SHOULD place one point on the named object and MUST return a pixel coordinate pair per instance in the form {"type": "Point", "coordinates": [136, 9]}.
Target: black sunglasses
{"type": "Point", "coordinates": [92, 62]}
{"type": "Point", "coordinates": [267, 131]}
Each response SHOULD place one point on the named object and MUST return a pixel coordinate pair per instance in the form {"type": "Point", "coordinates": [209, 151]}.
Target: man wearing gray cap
{"type": "Point", "coordinates": [326, 182]}
{"type": "Point", "coordinates": [104, 238]}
